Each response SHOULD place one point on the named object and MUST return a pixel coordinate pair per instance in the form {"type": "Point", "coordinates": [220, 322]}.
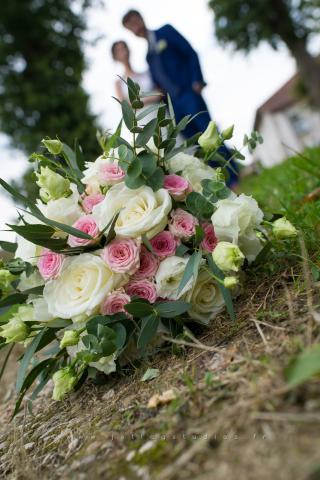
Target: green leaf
{"type": "Point", "coordinates": [28, 381]}
{"type": "Point", "coordinates": [155, 181]}
{"type": "Point", "coordinates": [135, 168]}
{"type": "Point", "coordinates": [128, 114]}
{"type": "Point", "coordinates": [109, 229]}
{"type": "Point", "coordinates": [14, 299]}
{"type": "Point", "coordinates": [5, 361]}
{"type": "Point", "coordinates": [149, 327]}
{"type": "Point", "coordinates": [8, 246]}
{"type": "Point", "coordinates": [149, 163]}
{"type": "Point", "coordinates": [139, 309]}
{"type": "Point", "coordinates": [191, 270]}
{"type": "Point", "coordinates": [171, 109]}
{"type": "Point", "coordinates": [199, 236]}
{"type": "Point", "coordinates": [199, 206]}
{"type": "Point", "coordinates": [34, 210]}
{"type": "Point", "coordinates": [181, 250]}
{"type": "Point", "coordinates": [147, 110]}
{"type": "Point", "coordinates": [134, 182]}
{"type": "Point", "coordinates": [147, 132]}
{"type": "Point", "coordinates": [40, 235]}
{"type": "Point", "coordinates": [224, 291]}
{"type": "Point", "coordinates": [7, 313]}
{"type": "Point", "coordinates": [150, 374]}
{"type": "Point", "coordinates": [304, 366]}
{"type": "Point", "coordinates": [171, 309]}
{"type": "Point", "coordinates": [71, 159]}
{"type": "Point", "coordinates": [121, 335]}
{"type": "Point", "coordinates": [42, 339]}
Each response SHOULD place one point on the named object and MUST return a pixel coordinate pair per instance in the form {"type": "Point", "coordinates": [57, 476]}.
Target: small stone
{"type": "Point", "coordinates": [3, 445]}
{"type": "Point", "coordinates": [29, 446]}
{"type": "Point", "coordinates": [147, 446]}
{"type": "Point", "coordinates": [130, 456]}
{"type": "Point", "coordinates": [162, 399]}
{"type": "Point", "coordinates": [108, 395]}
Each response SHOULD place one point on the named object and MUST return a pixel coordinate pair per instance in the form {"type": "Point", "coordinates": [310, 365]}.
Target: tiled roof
{"type": "Point", "coordinates": [283, 98]}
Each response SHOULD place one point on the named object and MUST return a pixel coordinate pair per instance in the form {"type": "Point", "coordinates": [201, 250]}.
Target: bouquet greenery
{"type": "Point", "coordinates": [120, 253]}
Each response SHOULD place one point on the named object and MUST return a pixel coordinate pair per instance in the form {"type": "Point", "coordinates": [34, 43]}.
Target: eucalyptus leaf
{"type": "Point", "coordinates": [171, 309]}
{"type": "Point", "coordinates": [149, 327]}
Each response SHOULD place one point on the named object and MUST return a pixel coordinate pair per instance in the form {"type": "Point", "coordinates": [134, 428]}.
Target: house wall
{"type": "Point", "coordinates": [285, 132]}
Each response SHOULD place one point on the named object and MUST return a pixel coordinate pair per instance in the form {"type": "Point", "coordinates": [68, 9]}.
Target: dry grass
{"type": "Point", "coordinates": [240, 421]}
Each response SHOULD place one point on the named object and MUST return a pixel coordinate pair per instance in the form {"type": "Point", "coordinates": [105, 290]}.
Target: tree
{"type": "Point", "coordinates": [41, 68]}
{"type": "Point", "coordinates": [246, 23]}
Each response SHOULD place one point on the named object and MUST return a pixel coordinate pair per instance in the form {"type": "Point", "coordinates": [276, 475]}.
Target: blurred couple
{"type": "Point", "coordinates": [174, 68]}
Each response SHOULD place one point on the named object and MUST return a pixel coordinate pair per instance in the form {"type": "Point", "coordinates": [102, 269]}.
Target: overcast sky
{"type": "Point", "coordinates": [237, 84]}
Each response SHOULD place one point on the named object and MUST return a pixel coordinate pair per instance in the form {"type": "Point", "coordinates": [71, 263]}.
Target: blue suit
{"type": "Point", "coordinates": [174, 67]}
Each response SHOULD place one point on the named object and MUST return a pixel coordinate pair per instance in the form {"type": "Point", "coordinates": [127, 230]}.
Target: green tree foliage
{"type": "Point", "coordinates": [41, 68]}
{"type": "Point", "coordinates": [246, 23]}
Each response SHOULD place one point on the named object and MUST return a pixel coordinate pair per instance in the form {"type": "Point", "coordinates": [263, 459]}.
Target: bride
{"type": "Point", "coordinates": [121, 53]}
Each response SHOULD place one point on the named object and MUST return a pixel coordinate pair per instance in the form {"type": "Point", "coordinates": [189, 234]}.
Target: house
{"type": "Point", "coordinates": [287, 124]}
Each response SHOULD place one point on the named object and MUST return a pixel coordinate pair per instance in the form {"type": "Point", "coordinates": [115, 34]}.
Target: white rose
{"type": "Point", "coordinates": [142, 211]}
{"type": "Point", "coordinates": [205, 297]}
{"type": "Point", "coordinates": [64, 210]}
{"type": "Point", "coordinates": [169, 275]}
{"type": "Point", "coordinates": [181, 161]}
{"type": "Point", "coordinates": [195, 175]}
{"type": "Point", "coordinates": [84, 282]}
{"type": "Point", "coordinates": [235, 221]}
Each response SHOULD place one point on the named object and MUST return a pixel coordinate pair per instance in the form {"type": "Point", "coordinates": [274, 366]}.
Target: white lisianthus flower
{"type": "Point", "coordinates": [40, 310]}
{"type": "Point", "coordinates": [32, 281]}
{"type": "Point", "coordinates": [142, 211]}
{"type": "Point", "coordinates": [228, 257]}
{"type": "Point", "coordinates": [235, 220]}
{"type": "Point", "coordinates": [169, 275]}
{"type": "Point", "coordinates": [84, 282]}
{"type": "Point", "coordinates": [195, 175]}
{"type": "Point", "coordinates": [282, 228]}
{"type": "Point", "coordinates": [181, 161]}
{"type": "Point", "coordinates": [205, 297]}
{"type": "Point", "coordinates": [64, 210]}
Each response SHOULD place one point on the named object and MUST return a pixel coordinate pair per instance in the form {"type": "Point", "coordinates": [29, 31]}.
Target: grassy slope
{"type": "Point", "coordinates": [233, 417]}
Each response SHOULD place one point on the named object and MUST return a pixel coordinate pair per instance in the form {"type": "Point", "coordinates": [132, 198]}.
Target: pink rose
{"type": "Point", "coordinates": [177, 186]}
{"type": "Point", "coordinates": [143, 289]}
{"type": "Point", "coordinates": [111, 173]}
{"type": "Point", "coordinates": [210, 240]}
{"type": "Point", "coordinates": [148, 264]}
{"type": "Point", "coordinates": [90, 201]}
{"type": "Point", "coordinates": [164, 244]}
{"type": "Point", "coordinates": [114, 303]}
{"type": "Point", "coordinates": [88, 225]}
{"type": "Point", "coordinates": [182, 224]}
{"type": "Point", "coordinates": [50, 264]}
{"type": "Point", "coordinates": [122, 255]}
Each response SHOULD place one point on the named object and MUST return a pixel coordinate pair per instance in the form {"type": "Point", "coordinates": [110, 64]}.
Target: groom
{"type": "Point", "coordinates": [175, 68]}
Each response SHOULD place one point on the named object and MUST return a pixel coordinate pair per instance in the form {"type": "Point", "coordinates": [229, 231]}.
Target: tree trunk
{"type": "Point", "coordinates": [309, 69]}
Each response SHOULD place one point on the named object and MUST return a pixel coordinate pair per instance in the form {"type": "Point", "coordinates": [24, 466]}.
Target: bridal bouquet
{"type": "Point", "coordinates": [120, 254]}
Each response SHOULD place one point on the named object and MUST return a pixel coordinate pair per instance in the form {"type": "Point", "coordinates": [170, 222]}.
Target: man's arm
{"type": "Point", "coordinates": [176, 40]}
